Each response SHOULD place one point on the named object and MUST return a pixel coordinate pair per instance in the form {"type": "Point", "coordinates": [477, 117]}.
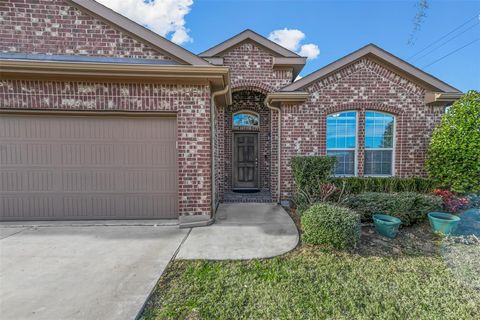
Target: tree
{"type": "Point", "coordinates": [454, 154]}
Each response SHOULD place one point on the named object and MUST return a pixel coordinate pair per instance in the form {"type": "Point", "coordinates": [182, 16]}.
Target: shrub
{"type": "Point", "coordinates": [454, 153]}
{"type": "Point", "coordinates": [451, 202]}
{"type": "Point", "coordinates": [355, 185]}
{"type": "Point", "coordinates": [410, 207]}
{"type": "Point", "coordinates": [310, 174]}
{"type": "Point", "coordinates": [331, 225]}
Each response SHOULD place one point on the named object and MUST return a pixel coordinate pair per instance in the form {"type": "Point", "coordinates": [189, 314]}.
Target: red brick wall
{"type": "Point", "coordinates": [250, 65]}
{"type": "Point", "coordinates": [364, 85]}
{"type": "Point", "coordinates": [55, 27]}
{"type": "Point", "coordinates": [191, 103]}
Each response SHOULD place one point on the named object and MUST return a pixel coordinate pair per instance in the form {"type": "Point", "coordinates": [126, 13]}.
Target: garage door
{"type": "Point", "coordinates": [87, 167]}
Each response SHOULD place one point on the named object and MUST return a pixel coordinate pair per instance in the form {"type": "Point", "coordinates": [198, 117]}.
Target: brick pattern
{"type": "Point", "coordinates": [252, 66]}
{"type": "Point", "coordinates": [55, 27]}
{"type": "Point", "coordinates": [191, 103]}
{"type": "Point", "coordinates": [363, 85]}
{"type": "Point", "coordinates": [252, 101]}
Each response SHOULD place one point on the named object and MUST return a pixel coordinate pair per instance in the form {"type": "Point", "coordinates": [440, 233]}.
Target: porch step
{"type": "Point", "coordinates": [239, 197]}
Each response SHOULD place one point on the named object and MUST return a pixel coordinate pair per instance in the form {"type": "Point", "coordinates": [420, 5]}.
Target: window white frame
{"type": "Point", "coordinates": [394, 136]}
{"type": "Point", "coordinates": [249, 112]}
{"type": "Point", "coordinates": [355, 150]}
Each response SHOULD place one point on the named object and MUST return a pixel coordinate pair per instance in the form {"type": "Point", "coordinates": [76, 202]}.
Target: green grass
{"type": "Point", "coordinates": [313, 284]}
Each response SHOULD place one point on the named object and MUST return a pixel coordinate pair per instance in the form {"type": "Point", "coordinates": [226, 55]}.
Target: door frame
{"type": "Point", "coordinates": [234, 161]}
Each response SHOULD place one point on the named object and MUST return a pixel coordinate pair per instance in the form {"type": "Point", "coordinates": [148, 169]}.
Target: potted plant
{"type": "Point", "coordinates": [443, 222]}
{"type": "Point", "coordinates": [386, 225]}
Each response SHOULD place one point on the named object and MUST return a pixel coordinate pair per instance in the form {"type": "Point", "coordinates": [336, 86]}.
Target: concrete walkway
{"type": "Point", "coordinates": [243, 231]}
{"type": "Point", "coordinates": [82, 272]}
{"type": "Point", "coordinates": [107, 270]}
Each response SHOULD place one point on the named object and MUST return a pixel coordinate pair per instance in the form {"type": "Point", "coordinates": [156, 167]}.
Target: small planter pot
{"type": "Point", "coordinates": [386, 225]}
{"type": "Point", "coordinates": [443, 222]}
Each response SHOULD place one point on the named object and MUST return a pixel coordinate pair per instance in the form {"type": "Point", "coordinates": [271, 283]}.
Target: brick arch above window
{"type": "Point", "coordinates": [252, 85]}
{"type": "Point", "coordinates": [363, 106]}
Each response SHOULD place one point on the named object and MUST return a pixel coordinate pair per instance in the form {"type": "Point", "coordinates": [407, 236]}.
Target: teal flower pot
{"type": "Point", "coordinates": [386, 225]}
{"type": "Point", "coordinates": [443, 222]}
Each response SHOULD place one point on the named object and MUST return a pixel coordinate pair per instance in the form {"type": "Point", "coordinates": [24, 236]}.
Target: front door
{"type": "Point", "coordinates": [245, 161]}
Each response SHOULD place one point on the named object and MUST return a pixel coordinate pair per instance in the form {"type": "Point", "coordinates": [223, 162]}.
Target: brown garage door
{"type": "Point", "coordinates": [87, 167]}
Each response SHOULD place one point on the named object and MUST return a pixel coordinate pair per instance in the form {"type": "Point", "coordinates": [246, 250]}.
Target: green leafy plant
{"type": "Point", "coordinates": [355, 185]}
{"type": "Point", "coordinates": [331, 225]}
{"type": "Point", "coordinates": [454, 153]}
{"type": "Point", "coordinates": [311, 174]}
{"type": "Point", "coordinates": [410, 207]}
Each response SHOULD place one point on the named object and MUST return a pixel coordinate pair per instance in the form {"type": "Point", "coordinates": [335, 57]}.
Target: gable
{"type": "Point", "coordinates": [387, 60]}
{"type": "Point", "coordinates": [252, 65]}
{"type": "Point", "coordinates": [67, 27]}
{"type": "Point", "coordinates": [278, 57]}
{"type": "Point", "coordinates": [250, 36]}
{"type": "Point", "coordinates": [365, 80]}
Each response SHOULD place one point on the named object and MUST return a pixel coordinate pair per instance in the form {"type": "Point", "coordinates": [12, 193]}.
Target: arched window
{"type": "Point", "coordinates": [379, 143]}
{"type": "Point", "coordinates": [246, 119]}
{"type": "Point", "coordinates": [342, 141]}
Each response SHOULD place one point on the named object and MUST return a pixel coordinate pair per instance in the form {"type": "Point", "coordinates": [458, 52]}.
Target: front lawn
{"type": "Point", "coordinates": [315, 283]}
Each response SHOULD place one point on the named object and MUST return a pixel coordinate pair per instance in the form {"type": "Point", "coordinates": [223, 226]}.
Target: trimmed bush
{"type": "Point", "coordinates": [356, 185]}
{"type": "Point", "coordinates": [309, 172]}
{"type": "Point", "coordinates": [410, 207]}
{"type": "Point", "coordinates": [331, 225]}
{"type": "Point", "coordinates": [454, 153]}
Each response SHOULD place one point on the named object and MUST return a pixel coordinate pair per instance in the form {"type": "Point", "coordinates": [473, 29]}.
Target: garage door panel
{"type": "Point", "coordinates": [87, 168]}
{"type": "Point", "coordinates": [24, 153]}
{"type": "Point", "coordinates": [85, 180]}
{"type": "Point", "coordinates": [102, 206]}
{"type": "Point", "coordinates": [26, 180]}
{"type": "Point", "coordinates": [148, 206]}
{"type": "Point", "coordinates": [32, 206]}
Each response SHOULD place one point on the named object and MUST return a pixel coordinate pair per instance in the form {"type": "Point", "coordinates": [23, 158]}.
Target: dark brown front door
{"type": "Point", "coordinates": [245, 161]}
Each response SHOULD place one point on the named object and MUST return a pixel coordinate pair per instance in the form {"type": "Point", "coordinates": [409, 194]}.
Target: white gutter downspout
{"type": "Point", "coordinates": [279, 137]}
{"type": "Point", "coordinates": [212, 139]}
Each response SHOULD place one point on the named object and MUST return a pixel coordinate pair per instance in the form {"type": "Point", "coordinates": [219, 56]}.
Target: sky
{"type": "Point", "coordinates": [325, 31]}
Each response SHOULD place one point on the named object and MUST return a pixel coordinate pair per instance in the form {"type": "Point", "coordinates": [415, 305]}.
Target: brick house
{"type": "Point", "coordinates": [101, 118]}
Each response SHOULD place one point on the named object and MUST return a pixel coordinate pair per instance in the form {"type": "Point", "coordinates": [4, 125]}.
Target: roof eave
{"type": "Point", "coordinates": [277, 98]}
{"type": "Point", "coordinates": [217, 77]}
{"type": "Point", "coordinates": [441, 98]}
{"type": "Point", "coordinates": [296, 64]}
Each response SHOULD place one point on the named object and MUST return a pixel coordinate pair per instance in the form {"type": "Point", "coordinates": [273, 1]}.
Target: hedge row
{"type": "Point", "coordinates": [410, 207]}
{"type": "Point", "coordinates": [356, 185]}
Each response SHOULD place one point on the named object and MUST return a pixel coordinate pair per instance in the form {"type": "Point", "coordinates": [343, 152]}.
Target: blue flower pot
{"type": "Point", "coordinates": [386, 225]}
{"type": "Point", "coordinates": [443, 222]}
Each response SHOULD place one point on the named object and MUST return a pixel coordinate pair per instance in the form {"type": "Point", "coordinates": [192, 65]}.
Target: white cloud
{"type": "Point", "coordinates": [291, 39]}
{"type": "Point", "coordinates": [310, 50]}
{"type": "Point", "coordinates": [165, 17]}
{"type": "Point", "coordinates": [288, 38]}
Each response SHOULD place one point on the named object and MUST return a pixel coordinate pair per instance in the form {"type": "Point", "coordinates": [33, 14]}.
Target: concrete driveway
{"type": "Point", "coordinates": [82, 272]}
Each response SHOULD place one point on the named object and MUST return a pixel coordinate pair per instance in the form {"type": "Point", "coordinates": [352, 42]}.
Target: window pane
{"type": "Point", "coordinates": [245, 119]}
{"type": "Point", "coordinates": [378, 162]}
{"type": "Point", "coordinates": [378, 130]}
{"type": "Point", "coordinates": [341, 130]}
{"type": "Point", "coordinates": [345, 162]}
